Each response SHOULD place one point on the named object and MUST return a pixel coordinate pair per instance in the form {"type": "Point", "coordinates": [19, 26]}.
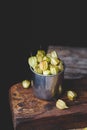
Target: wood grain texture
{"type": "Point", "coordinates": [31, 113]}
{"type": "Point", "coordinates": [75, 59]}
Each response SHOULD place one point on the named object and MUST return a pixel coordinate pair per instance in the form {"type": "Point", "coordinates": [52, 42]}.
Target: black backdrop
{"type": "Point", "coordinates": [14, 67]}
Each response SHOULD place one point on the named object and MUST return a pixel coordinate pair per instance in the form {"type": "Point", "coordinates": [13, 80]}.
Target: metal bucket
{"type": "Point", "coordinates": [47, 87]}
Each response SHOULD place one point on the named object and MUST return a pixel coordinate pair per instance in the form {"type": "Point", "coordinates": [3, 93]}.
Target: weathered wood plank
{"type": "Point", "coordinates": [30, 112]}
{"type": "Point", "coordinates": [75, 59]}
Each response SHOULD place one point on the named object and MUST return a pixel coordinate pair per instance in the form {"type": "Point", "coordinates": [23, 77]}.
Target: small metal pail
{"type": "Point", "coordinates": [47, 87]}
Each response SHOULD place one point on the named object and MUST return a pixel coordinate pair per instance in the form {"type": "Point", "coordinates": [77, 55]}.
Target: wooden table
{"type": "Point", "coordinates": [31, 113]}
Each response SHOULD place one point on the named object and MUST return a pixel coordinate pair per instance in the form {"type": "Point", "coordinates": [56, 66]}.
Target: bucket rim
{"type": "Point", "coordinates": [52, 75]}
